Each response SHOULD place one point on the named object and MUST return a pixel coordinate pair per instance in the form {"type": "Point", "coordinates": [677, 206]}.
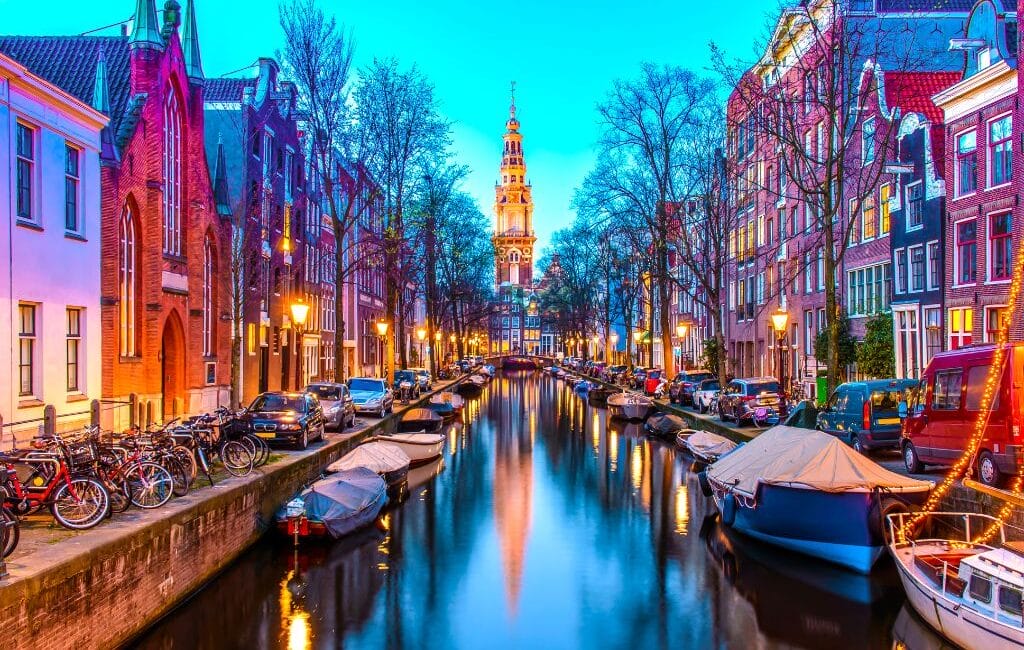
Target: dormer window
{"type": "Point", "coordinates": [984, 55]}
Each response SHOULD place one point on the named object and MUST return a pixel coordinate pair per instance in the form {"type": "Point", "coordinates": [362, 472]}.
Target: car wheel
{"type": "Point", "coordinates": [382, 412]}
{"type": "Point", "coordinates": [911, 460]}
{"type": "Point", "coordinates": [303, 441]}
{"type": "Point", "coordinates": [988, 471]}
{"type": "Point", "coordinates": [702, 407]}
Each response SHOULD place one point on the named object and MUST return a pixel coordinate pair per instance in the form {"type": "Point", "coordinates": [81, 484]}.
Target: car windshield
{"type": "Point", "coordinates": [886, 401]}
{"type": "Point", "coordinates": [366, 384]}
{"type": "Point", "coordinates": [404, 375]}
{"type": "Point", "coordinates": [330, 393]}
{"type": "Point", "coordinates": [278, 403]}
{"type": "Point", "coordinates": [709, 384]}
{"type": "Point", "coordinates": [698, 376]}
{"type": "Point", "coordinates": [654, 374]}
{"type": "Point", "coordinates": [763, 387]}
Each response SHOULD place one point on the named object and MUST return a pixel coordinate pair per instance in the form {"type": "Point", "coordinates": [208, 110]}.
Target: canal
{"type": "Point", "coordinates": [545, 525]}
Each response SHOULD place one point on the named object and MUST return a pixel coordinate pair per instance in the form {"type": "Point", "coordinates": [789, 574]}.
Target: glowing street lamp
{"type": "Point", "coordinates": [613, 338]}
{"type": "Point", "coordinates": [682, 329]}
{"type": "Point", "coordinates": [300, 311]}
{"type": "Point", "coordinates": [382, 334]}
{"type": "Point", "coordinates": [780, 319]}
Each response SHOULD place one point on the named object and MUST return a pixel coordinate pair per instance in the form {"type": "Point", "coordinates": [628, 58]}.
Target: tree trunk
{"type": "Point", "coordinates": [832, 316]}
{"type": "Point", "coordinates": [236, 362]}
{"type": "Point", "coordinates": [665, 310]}
{"type": "Point", "coordinates": [339, 307]}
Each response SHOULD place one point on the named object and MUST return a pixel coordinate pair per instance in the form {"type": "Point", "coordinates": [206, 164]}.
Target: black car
{"type": "Point", "coordinates": [680, 391]}
{"type": "Point", "coordinates": [295, 418]}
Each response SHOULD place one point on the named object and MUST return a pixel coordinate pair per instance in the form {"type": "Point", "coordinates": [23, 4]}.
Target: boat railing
{"type": "Point", "coordinates": [970, 529]}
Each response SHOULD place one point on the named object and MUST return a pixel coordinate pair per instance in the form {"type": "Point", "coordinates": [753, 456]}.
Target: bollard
{"type": "Point", "coordinates": [49, 420]}
{"type": "Point", "coordinates": [133, 409]}
{"type": "Point", "coordinates": [94, 413]}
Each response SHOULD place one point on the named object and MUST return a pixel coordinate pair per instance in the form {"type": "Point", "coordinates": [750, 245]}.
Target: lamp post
{"type": "Point", "coordinates": [421, 335]}
{"type": "Point", "coordinates": [300, 311]}
{"type": "Point", "coordinates": [637, 335]}
{"type": "Point", "coordinates": [613, 338]}
{"type": "Point", "coordinates": [382, 334]}
{"type": "Point", "coordinates": [681, 330]}
{"type": "Point", "coordinates": [451, 345]}
{"type": "Point", "coordinates": [436, 356]}
{"type": "Point", "coordinates": [780, 319]}
{"type": "Point", "coordinates": [596, 340]}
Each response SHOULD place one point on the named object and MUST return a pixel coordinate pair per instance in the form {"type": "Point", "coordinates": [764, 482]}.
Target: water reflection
{"type": "Point", "coordinates": [532, 535]}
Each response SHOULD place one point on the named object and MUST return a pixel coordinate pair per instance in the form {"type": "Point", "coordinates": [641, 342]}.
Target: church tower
{"type": "Point", "coordinates": [513, 208]}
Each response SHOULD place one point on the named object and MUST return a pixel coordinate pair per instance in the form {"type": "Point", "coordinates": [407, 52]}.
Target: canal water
{"type": "Point", "coordinates": [545, 525]}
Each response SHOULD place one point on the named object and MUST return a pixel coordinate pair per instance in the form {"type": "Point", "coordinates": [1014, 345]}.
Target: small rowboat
{"type": "Point", "coordinates": [386, 459]}
{"type": "Point", "coordinates": [704, 446]}
{"type": "Point", "coordinates": [421, 447]}
{"type": "Point", "coordinates": [664, 425]}
{"type": "Point", "coordinates": [424, 420]}
{"type": "Point", "coordinates": [629, 406]}
{"type": "Point", "coordinates": [446, 404]}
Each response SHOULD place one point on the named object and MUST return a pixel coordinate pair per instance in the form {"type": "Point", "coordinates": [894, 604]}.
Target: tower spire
{"type": "Point", "coordinates": [190, 44]}
{"type": "Point", "coordinates": [100, 90]}
{"type": "Point", "coordinates": [512, 107]}
{"type": "Point", "coordinates": [145, 29]}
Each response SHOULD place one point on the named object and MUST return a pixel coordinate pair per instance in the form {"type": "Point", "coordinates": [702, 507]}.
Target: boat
{"type": "Point", "coordinates": [420, 419]}
{"type": "Point", "coordinates": [704, 446]}
{"type": "Point", "coordinates": [473, 385]}
{"type": "Point", "coordinates": [664, 425]}
{"type": "Point", "coordinates": [334, 506]}
{"type": "Point", "coordinates": [421, 447]}
{"type": "Point", "coordinates": [582, 387]}
{"type": "Point", "coordinates": [418, 476]}
{"type": "Point", "coordinates": [963, 574]}
{"type": "Point", "coordinates": [385, 458]}
{"type": "Point", "coordinates": [447, 404]}
{"type": "Point", "coordinates": [629, 406]}
{"type": "Point", "coordinates": [598, 396]}
{"type": "Point", "coordinates": [809, 492]}
{"type": "Point", "coordinates": [487, 371]}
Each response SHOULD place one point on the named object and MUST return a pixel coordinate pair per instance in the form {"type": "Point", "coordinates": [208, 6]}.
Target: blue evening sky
{"type": "Point", "coordinates": [563, 54]}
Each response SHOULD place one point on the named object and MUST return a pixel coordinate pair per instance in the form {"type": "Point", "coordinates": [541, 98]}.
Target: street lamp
{"type": "Point", "coordinates": [421, 334]}
{"type": "Point", "coordinates": [637, 335]}
{"type": "Point", "coordinates": [436, 356]}
{"type": "Point", "coordinates": [613, 338]}
{"type": "Point", "coordinates": [596, 340]}
{"type": "Point", "coordinates": [681, 330]}
{"type": "Point", "coordinates": [382, 333]}
{"type": "Point", "coordinates": [780, 319]}
{"type": "Point", "coordinates": [300, 311]}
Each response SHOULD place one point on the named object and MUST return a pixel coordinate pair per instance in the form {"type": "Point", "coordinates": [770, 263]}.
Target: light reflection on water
{"type": "Point", "coordinates": [529, 537]}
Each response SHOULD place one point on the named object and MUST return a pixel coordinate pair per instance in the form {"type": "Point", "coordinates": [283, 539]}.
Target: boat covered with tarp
{"type": "Point", "coordinates": [386, 459]}
{"type": "Point", "coordinates": [664, 425]}
{"type": "Point", "coordinates": [446, 404]}
{"type": "Point", "coordinates": [334, 506]}
{"type": "Point", "coordinates": [705, 446]}
{"type": "Point", "coordinates": [809, 492]}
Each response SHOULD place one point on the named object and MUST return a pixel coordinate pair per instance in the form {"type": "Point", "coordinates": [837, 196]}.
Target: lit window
{"type": "Point", "coordinates": [74, 347]}
{"type": "Point", "coordinates": [961, 327]}
{"type": "Point", "coordinates": [995, 318]}
{"type": "Point", "coordinates": [1000, 247]}
{"type": "Point", "coordinates": [1000, 150]}
{"type": "Point", "coordinates": [127, 284]}
{"type": "Point", "coordinates": [26, 350]}
{"type": "Point", "coordinates": [966, 251]}
{"type": "Point", "coordinates": [172, 175]}
{"type": "Point", "coordinates": [868, 223]}
{"type": "Point", "coordinates": [966, 163]}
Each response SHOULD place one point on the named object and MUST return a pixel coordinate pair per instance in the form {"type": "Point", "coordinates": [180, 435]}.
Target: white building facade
{"type": "Point", "coordinates": [49, 252]}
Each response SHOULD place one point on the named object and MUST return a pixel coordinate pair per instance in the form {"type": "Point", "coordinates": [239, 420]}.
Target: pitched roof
{"type": "Point", "coordinates": [69, 62]}
{"type": "Point", "coordinates": [913, 91]}
{"type": "Point", "coordinates": [226, 90]}
{"type": "Point", "coordinates": [906, 6]}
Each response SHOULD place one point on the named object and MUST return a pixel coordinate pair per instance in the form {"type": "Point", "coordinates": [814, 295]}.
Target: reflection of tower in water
{"type": "Point", "coordinates": [513, 482]}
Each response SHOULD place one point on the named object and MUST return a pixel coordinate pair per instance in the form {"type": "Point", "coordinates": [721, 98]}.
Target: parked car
{"type": "Point", "coordinates": [651, 380]}
{"type": "Point", "coordinates": [866, 413]}
{"type": "Point", "coordinates": [942, 411]}
{"type": "Point", "coordinates": [597, 370]}
{"type": "Point", "coordinates": [613, 373]}
{"type": "Point", "coordinates": [742, 396]}
{"type": "Point", "coordinates": [371, 395]}
{"type": "Point", "coordinates": [406, 376]}
{"type": "Point", "coordinates": [638, 377]}
{"type": "Point", "coordinates": [680, 391]}
{"type": "Point", "coordinates": [294, 418]}
{"type": "Point", "coordinates": [706, 391]}
{"type": "Point", "coordinates": [336, 401]}
{"type": "Point", "coordinates": [424, 378]}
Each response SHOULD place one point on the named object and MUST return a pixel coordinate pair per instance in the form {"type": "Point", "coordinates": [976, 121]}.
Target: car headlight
{"type": "Point", "coordinates": [290, 427]}
{"type": "Point", "coordinates": [373, 402]}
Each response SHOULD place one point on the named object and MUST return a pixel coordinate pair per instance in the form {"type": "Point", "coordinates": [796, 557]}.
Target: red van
{"type": "Point", "coordinates": [940, 415]}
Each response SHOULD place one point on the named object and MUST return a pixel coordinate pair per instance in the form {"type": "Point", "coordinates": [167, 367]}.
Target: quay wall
{"type": "Point", "coordinates": [103, 588]}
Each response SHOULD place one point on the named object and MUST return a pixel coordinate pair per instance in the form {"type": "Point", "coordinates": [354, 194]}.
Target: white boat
{"type": "Point", "coordinates": [420, 447]}
{"type": "Point", "coordinates": [968, 582]}
{"type": "Point", "coordinates": [629, 406]}
{"type": "Point", "coordinates": [385, 458]}
{"type": "Point", "coordinates": [705, 446]}
{"type": "Point", "coordinates": [448, 397]}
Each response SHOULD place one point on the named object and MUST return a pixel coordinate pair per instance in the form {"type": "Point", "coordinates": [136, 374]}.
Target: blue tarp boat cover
{"type": "Point", "coordinates": [346, 500]}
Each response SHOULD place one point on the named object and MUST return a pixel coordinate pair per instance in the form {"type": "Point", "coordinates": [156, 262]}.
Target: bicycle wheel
{"type": "Point", "coordinates": [12, 526]}
{"type": "Point", "coordinates": [178, 474]}
{"type": "Point", "coordinates": [149, 485]}
{"type": "Point", "coordinates": [236, 458]}
{"type": "Point", "coordinates": [262, 451]}
{"type": "Point", "coordinates": [119, 500]}
{"type": "Point", "coordinates": [187, 460]}
{"type": "Point", "coordinates": [80, 503]}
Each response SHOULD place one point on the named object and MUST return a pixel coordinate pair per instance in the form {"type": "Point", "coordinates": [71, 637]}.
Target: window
{"type": "Point", "coordinates": [915, 205]}
{"type": "Point", "coordinates": [172, 175]}
{"type": "Point", "coordinates": [933, 332]}
{"type": "Point", "coordinates": [867, 290]}
{"type": "Point", "coordinates": [868, 225]}
{"type": "Point", "coordinates": [808, 278]}
{"type": "Point", "coordinates": [883, 204]}
{"type": "Point", "coordinates": [127, 284]}
{"type": "Point", "coordinates": [25, 150]}
{"type": "Point", "coordinates": [907, 343]}
{"type": "Point", "coordinates": [961, 327]}
{"type": "Point", "coordinates": [808, 331]}
{"type": "Point", "coordinates": [901, 271]}
{"type": "Point", "coordinates": [821, 269]}
{"type": "Point", "coordinates": [917, 267]}
{"type": "Point", "coordinates": [995, 318]}
{"type": "Point", "coordinates": [862, 6]}
{"type": "Point", "coordinates": [946, 394]}
{"type": "Point", "coordinates": [966, 251]}
{"type": "Point", "coordinates": [74, 346]}
{"type": "Point", "coordinates": [71, 173]}
{"type": "Point", "coordinates": [966, 163]}
{"type": "Point", "coordinates": [209, 313]}
{"type": "Point", "coordinates": [980, 588]}
{"type": "Point", "coordinates": [868, 141]}
{"type": "Point", "coordinates": [1000, 249]}
{"type": "Point", "coordinates": [783, 177]}
{"type": "Point", "coordinates": [26, 349]}
{"type": "Point", "coordinates": [1010, 601]}
{"type": "Point", "coordinates": [934, 265]}
{"type": "Point", "coordinates": [1000, 150]}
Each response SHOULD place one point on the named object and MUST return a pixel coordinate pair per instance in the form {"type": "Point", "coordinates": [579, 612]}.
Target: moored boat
{"type": "Point", "coordinates": [664, 425]}
{"type": "Point", "coordinates": [809, 492]}
{"type": "Point", "coordinates": [421, 447]}
{"type": "Point", "coordinates": [386, 459]}
{"type": "Point", "coordinates": [704, 446]}
{"type": "Point", "coordinates": [419, 419]}
{"type": "Point", "coordinates": [598, 396]}
{"type": "Point", "coordinates": [473, 385]}
{"type": "Point", "coordinates": [334, 506]}
{"type": "Point", "coordinates": [629, 406]}
{"type": "Point", "coordinates": [963, 574]}
{"type": "Point", "coordinates": [447, 397]}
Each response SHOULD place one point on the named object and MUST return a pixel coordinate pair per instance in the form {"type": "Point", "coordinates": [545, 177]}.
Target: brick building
{"type": "Point", "coordinates": [983, 226]}
{"type": "Point", "coordinates": [260, 176]}
{"type": "Point", "coordinates": [163, 245]}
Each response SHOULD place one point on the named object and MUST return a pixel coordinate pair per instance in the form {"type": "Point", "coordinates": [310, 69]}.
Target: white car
{"type": "Point", "coordinates": [706, 391]}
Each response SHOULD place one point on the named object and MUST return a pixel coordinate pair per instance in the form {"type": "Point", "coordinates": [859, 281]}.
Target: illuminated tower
{"type": "Point", "coordinates": [513, 209]}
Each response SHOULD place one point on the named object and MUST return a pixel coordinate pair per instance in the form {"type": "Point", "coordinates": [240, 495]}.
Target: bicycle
{"type": "Point", "coordinates": [198, 436]}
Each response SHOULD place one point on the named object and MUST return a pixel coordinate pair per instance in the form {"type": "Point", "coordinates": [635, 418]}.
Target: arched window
{"type": "Point", "coordinates": [513, 267]}
{"type": "Point", "coordinates": [127, 283]}
{"type": "Point", "coordinates": [172, 175]}
{"type": "Point", "coordinates": [209, 316]}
